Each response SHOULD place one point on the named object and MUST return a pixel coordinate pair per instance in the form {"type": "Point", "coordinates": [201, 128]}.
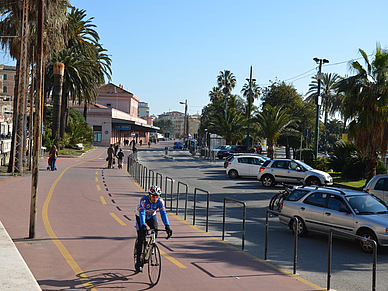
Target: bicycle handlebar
{"type": "Point", "coordinates": [153, 231]}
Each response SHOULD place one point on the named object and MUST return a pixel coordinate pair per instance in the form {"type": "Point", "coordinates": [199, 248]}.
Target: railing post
{"type": "Point", "coordinates": [350, 235]}
{"type": "Point", "coordinates": [177, 196]}
{"type": "Point", "coordinates": [296, 231]}
{"type": "Point", "coordinates": [244, 216]}
{"type": "Point", "coordinates": [207, 206]}
{"type": "Point", "coordinates": [171, 189]}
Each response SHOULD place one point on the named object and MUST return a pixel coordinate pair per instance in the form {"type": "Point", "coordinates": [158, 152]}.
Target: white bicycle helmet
{"type": "Point", "coordinates": [155, 190]}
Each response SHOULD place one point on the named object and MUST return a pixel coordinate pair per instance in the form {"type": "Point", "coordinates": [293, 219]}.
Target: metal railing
{"type": "Point", "coordinates": [296, 231]}
{"type": "Point", "coordinates": [161, 177]}
{"type": "Point", "coordinates": [207, 206]}
{"type": "Point", "coordinates": [244, 216]}
{"type": "Point", "coordinates": [346, 234]}
{"type": "Point", "coordinates": [177, 197]}
{"type": "Point", "coordinates": [171, 189]}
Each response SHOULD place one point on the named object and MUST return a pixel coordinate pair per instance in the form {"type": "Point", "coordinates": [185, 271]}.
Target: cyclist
{"type": "Point", "coordinates": [146, 215]}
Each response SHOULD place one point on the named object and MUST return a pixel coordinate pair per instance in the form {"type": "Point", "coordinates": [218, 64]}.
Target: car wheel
{"type": "Point", "coordinates": [267, 181]}
{"type": "Point", "coordinates": [302, 231]}
{"type": "Point", "coordinates": [233, 174]}
{"type": "Point", "coordinates": [366, 246]}
{"type": "Point", "coordinates": [313, 181]}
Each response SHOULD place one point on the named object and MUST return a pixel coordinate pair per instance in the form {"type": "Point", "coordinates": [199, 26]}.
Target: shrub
{"type": "Point", "coordinates": [342, 153]}
{"type": "Point", "coordinates": [322, 164]}
{"type": "Point", "coordinates": [355, 168]}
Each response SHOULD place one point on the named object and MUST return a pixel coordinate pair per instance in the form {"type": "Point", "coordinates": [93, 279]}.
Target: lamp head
{"type": "Point", "coordinates": [316, 60]}
{"type": "Point", "coordinates": [325, 61]}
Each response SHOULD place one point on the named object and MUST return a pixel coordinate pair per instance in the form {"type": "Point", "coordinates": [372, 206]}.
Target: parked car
{"type": "Point", "coordinates": [244, 165]}
{"type": "Point", "coordinates": [232, 149]}
{"type": "Point", "coordinates": [320, 209]}
{"type": "Point", "coordinates": [217, 149]}
{"type": "Point", "coordinates": [378, 186]}
{"type": "Point", "coordinates": [178, 145]}
{"type": "Point", "coordinates": [291, 171]}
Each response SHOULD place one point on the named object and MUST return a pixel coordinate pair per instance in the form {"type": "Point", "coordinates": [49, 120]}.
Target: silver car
{"type": "Point", "coordinates": [291, 171]}
{"type": "Point", "coordinates": [319, 209]}
{"type": "Point", "coordinates": [378, 186]}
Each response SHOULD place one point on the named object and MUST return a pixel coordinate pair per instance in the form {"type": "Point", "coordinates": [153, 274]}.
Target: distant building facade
{"type": "Point", "coordinates": [144, 110]}
{"type": "Point", "coordinates": [177, 119]}
{"type": "Point", "coordinates": [114, 117]}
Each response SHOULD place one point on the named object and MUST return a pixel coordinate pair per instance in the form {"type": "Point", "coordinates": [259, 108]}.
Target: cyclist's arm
{"type": "Point", "coordinates": [142, 216]}
{"type": "Point", "coordinates": [163, 212]}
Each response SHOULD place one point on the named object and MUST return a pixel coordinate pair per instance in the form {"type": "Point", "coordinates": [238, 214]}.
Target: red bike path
{"type": "Point", "coordinates": [85, 236]}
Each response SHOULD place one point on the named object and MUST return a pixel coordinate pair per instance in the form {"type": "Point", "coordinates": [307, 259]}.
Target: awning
{"type": "Point", "coordinates": [132, 125]}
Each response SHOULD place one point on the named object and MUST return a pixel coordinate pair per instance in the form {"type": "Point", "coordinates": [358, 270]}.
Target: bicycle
{"type": "Point", "coordinates": [276, 201]}
{"type": "Point", "coordinates": [151, 256]}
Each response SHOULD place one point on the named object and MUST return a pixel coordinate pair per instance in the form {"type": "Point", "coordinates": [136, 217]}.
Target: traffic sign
{"type": "Point", "coordinates": [133, 134]}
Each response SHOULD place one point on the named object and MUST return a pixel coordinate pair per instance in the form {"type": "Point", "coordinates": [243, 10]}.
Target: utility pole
{"type": "Point", "coordinates": [319, 77]}
{"type": "Point", "coordinates": [37, 121]}
{"type": "Point", "coordinates": [249, 106]}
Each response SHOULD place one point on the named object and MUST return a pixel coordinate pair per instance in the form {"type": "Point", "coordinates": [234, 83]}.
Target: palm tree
{"type": "Point", "coordinates": [229, 125]}
{"type": "Point", "coordinates": [215, 94]}
{"type": "Point", "coordinates": [226, 81]}
{"type": "Point", "coordinates": [365, 106]}
{"type": "Point", "coordinates": [272, 123]}
{"type": "Point", "coordinates": [86, 64]}
{"type": "Point", "coordinates": [256, 90]}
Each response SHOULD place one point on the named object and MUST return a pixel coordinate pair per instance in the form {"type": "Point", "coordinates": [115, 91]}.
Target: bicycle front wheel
{"type": "Point", "coordinates": [154, 265]}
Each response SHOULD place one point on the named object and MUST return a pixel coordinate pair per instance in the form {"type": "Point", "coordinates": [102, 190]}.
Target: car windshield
{"type": "Point", "coordinates": [228, 148]}
{"type": "Point", "coordinates": [305, 165]}
{"type": "Point", "coordinates": [367, 204]}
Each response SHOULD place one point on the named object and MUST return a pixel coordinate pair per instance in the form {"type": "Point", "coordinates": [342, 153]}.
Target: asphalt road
{"type": "Point", "coordinates": [351, 269]}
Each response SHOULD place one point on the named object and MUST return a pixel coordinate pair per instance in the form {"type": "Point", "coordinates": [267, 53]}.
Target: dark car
{"type": "Point", "coordinates": [178, 145]}
{"type": "Point", "coordinates": [233, 149]}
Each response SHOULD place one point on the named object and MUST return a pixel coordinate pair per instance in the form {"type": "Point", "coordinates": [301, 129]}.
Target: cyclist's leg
{"type": "Point", "coordinates": [139, 247]}
{"type": "Point", "coordinates": [153, 224]}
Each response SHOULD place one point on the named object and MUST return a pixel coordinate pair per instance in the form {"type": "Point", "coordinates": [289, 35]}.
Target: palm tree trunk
{"type": "Point", "coordinates": [370, 169]}
{"type": "Point", "coordinates": [57, 94]}
{"type": "Point", "coordinates": [270, 149]}
{"type": "Point", "coordinates": [64, 112]}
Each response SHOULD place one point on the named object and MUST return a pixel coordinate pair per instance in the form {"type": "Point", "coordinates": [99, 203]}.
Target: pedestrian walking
{"type": "Point", "coordinates": [149, 143]}
{"type": "Point", "coordinates": [120, 157]}
{"type": "Point", "coordinates": [53, 157]}
{"type": "Point", "coordinates": [110, 157]}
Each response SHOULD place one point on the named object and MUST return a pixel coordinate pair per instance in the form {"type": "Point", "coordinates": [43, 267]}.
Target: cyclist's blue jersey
{"type": "Point", "coordinates": [146, 210]}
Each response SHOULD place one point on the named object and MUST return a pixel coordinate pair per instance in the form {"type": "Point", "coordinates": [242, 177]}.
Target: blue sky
{"type": "Point", "coordinates": [168, 51]}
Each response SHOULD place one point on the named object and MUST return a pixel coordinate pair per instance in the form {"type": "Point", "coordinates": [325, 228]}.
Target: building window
{"type": "Point", "coordinates": [5, 77]}
{"type": "Point", "coordinates": [97, 130]}
{"type": "Point", "coordinates": [5, 89]}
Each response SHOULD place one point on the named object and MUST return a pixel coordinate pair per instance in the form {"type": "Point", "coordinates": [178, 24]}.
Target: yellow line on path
{"type": "Point", "coordinates": [168, 257]}
{"type": "Point", "coordinates": [96, 179]}
{"type": "Point", "coordinates": [118, 219]}
{"type": "Point", "coordinates": [98, 187]}
{"type": "Point", "coordinates": [65, 253]}
{"type": "Point", "coordinates": [96, 173]}
{"type": "Point", "coordinates": [102, 200]}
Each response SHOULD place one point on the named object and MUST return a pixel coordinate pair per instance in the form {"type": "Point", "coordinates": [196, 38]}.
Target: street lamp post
{"type": "Point", "coordinates": [319, 77]}
{"type": "Point", "coordinates": [185, 125]}
{"type": "Point", "coordinates": [249, 105]}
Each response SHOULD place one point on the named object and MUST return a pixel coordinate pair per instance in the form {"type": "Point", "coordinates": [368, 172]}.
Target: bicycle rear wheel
{"type": "Point", "coordinates": [135, 254]}
{"type": "Point", "coordinates": [154, 265]}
